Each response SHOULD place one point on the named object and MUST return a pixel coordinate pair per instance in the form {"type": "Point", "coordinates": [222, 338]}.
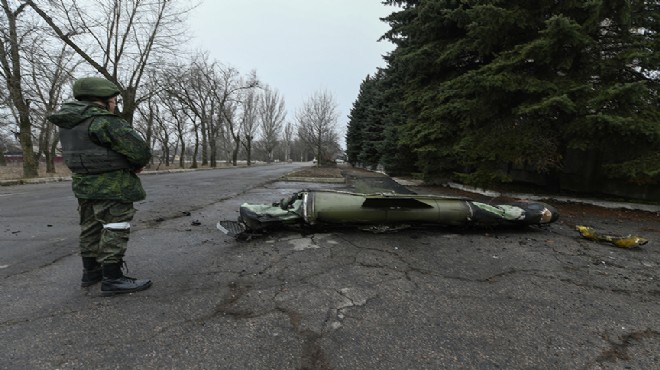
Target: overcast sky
{"type": "Point", "coordinates": [297, 46]}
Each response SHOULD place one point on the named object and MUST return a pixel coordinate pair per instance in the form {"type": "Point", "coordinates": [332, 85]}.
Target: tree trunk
{"type": "Point", "coordinates": [213, 154]}
{"type": "Point", "coordinates": [30, 162]}
{"type": "Point", "coordinates": [182, 163]}
{"type": "Point", "coordinates": [205, 152]}
{"type": "Point", "coordinates": [150, 129]}
{"type": "Point", "coordinates": [49, 147]}
{"type": "Point", "coordinates": [213, 147]}
{"type": "Point", "coordinates": [248, 149]}
{"type": "Point", "coordinates": [194, 156]}
{"type": "Point", "coordinates": [50, 155]}
{"type": "Point", "coordinates": [234, 154]}
{"type": "Point", "coordinates": [129, 105]}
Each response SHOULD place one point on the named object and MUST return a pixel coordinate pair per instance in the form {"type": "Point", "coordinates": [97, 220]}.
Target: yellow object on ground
{"type": "Point", "coordinates": [629, 241]}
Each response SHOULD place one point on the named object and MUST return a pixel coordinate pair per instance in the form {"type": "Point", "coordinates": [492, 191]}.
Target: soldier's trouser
{"type": "Point", "coordinates": [104, 229]}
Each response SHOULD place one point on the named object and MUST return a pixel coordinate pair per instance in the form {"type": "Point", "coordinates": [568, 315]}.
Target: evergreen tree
{"type": "Point", "coordinates": [372, 135]}
{"type": "Point", "coordinates": [366, 127]}
{"type": "Point", "coordinates": [623, 106]}
{"type": "Point", "coordinates": [373, 125]}
{"type": "Point", "coordinates": [491, 84]}
{"type": "Point", "coordinates": [398, 158]}
{"type": "Point", "coordinates": [356, 122]}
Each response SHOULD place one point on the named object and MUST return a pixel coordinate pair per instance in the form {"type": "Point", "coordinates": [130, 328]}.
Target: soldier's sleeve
{"type": "Point", "coordinates": [118, 135]}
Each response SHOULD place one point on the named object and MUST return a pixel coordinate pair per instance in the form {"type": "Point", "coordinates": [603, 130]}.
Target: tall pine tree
{"type": "Point", "coordinates": [491, 85]}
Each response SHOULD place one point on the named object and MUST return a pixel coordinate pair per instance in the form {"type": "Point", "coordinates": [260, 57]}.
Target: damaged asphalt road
{"type": "Point", "coordinates": [345, 298]}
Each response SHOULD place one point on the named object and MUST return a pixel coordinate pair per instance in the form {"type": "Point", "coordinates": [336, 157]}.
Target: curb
{"type": "Point", "coordinates": [40, 180]}
{"type": "Point", "coordinates": [561, 199]}
{"type": "Point", "coordinates": [555, 198]}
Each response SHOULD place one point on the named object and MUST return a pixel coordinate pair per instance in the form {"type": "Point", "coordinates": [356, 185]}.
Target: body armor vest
{"type": "Point", "coordinates": [83, 156]}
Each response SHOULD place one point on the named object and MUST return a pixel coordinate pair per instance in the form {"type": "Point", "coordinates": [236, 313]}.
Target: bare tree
{"type": "Point", "coordinates": [317, 124]}
{"type": "Point", "coordinates": [148, 124]}
{"type": "Point", "coordinates": [212, 93]}
{"type": "Point", "coordinates": [193, 86]}
{"type": "Point", "coordinates": [287, 140]}
{"type": "Point", "coordinates": [228, 96]}
{"type": "Point", "coordinates": [249, 122]}
{"type": "Point", "coordinates": [271, 118]}
{"type": "Point", "coordinates": [169, 131]}
{"type": "Point", "coordinates": [166, 119]}
{"type": "Point", "coordinates": [5, 128]}
{"type": "Point", "coordinates": [50, 71]}
{"type": "Point", "coordinates": [233, 128]}
{"type": "Point", "coordinates": [12, 35]}
{"type": "Point", "coordinates": [214, 127]}
{"type": "Point", "coordinates": [117, 38]}
{"type": "Point", "coordinates": [180, 122]}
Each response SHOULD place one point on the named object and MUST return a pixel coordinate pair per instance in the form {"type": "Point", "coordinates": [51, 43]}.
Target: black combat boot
{"type": "Point", "coordinates": [92, 272]}
{"type": "Point", "coordinates": [115, 282]}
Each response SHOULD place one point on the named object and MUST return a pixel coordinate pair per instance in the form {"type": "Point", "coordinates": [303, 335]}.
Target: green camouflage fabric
{"type": "Point", "coordinates": [106, 245]}
{"type": "Point", "coordinates": [115, 133]}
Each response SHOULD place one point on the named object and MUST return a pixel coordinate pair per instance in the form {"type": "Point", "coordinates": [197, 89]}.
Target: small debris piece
{"type": "Point", "coordinates": [231, 228]}
{"type": "Point", "coordinates": [629, 241]}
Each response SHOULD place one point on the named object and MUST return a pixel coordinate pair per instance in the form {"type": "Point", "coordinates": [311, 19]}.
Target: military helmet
{"type": "Point", "coordinates": [95, 87]}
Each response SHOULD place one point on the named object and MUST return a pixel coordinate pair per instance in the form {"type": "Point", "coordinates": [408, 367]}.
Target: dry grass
{"type": "Point", "coordinates": [14, 171]}
{"type": "Point", "coordinates": [318, 172]}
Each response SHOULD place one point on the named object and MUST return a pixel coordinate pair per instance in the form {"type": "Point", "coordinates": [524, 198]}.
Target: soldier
{"type": "Point", "coordinates": [105, 154]}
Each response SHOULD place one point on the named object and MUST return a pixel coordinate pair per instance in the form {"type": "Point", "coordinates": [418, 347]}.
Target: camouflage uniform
{"type": "Point", "coordinates": [104, 153]}
{"type": "Point", "coordinates": [106, 244]}
{"type": "Point", "coordinates": [106, 199]}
